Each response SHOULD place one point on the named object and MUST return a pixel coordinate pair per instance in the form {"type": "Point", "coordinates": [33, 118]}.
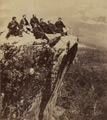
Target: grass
{"type": "Point", "coordinates": [84, 93]}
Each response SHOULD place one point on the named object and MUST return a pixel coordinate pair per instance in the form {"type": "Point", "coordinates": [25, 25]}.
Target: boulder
{"type": "Point", "coordinates": [32, 73]}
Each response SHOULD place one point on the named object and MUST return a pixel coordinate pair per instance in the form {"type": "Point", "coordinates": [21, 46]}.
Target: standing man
{"type": "Point", "coordinates": [60, 25]}
{"type": "Point", "coordinates": [34, 20]}
{"type": "Point", "coordinates": [14, 28]}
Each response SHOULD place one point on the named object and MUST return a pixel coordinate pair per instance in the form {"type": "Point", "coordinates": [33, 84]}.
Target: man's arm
{"type": "Point", "coordinates": [63, 24]}
{"type": "Point", "coordinates": [17, 25]}
{"type": "Point", "coordinates": [21, 24]}
{"type": "Point", "coordinates": [10, 25]}
{"type": "Point", "coordinates": [37, 21]}
{"type": "Point", "coordinates": [40, 28]}
{"type": "Point", "coordinates": [56, 24]}
{"type": "Point", "coordinates": [27, 22]}
{"type": "Point", "coordinates": [31, 22]}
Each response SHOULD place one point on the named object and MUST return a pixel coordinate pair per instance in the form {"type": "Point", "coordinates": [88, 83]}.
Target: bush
{"type": "Point", "coordinates": [24, 70]}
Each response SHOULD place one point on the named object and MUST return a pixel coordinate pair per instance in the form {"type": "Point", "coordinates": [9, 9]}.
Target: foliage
{"type": "Point", "coordinates": [85, 86]}
{"type": "Point", "coordinates": [24, 70]}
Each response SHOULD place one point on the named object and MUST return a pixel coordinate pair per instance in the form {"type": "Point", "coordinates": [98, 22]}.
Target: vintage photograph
{"type": "Point", "coordinates": [53, 59]}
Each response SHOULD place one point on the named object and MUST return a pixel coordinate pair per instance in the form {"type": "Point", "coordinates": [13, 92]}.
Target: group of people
{"type": "Point", "coordinates": [38, 28]}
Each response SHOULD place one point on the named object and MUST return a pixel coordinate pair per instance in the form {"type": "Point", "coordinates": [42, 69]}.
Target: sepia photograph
{"type": "Point", "coordinates": [53, 59]}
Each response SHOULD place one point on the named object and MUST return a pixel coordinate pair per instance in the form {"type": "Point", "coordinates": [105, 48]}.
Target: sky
{"type": "Point", "coordinates": [50, 8]}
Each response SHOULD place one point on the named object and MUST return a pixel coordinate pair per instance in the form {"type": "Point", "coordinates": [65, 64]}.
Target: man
{"type": "Point", "coordinates": [24, 25]}
{"type": "Point", "coordinates": [60, 25]}
{"type": "Point", "coordinates": [24, 21]}
{"type": "Point", "coordinates": [44, 26]}
{"type": "Point", "coordinates": [39, 33]}
{"type": "Point", "coordinates": [51, 27]}
{"type": "Point", "coordinates": [34, 20]}
{"type": "Point", "coordinates": [14, 28]}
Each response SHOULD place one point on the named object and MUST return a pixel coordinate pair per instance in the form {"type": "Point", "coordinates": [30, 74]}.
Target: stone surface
{"type": "Point", "coordinates": [34, 70]}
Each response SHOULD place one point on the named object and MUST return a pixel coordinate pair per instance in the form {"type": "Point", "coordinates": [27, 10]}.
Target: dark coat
{"type": "Point", "coordinates": [38, 33]}
{"type": "Point", "coordinates": [24, 22]}
{"type": "Point", "coordinates": [13, 25]}
{"type": "Point", "coordinates": [34, 21]}
{"type": "Point", "coordinates": [52, 27]}
{"type": "Point", "coordinates": [14, 29]}
{"type": "Point", "coordinates": [60, 25]}
{"type": "Point", "coordinates": [43, 24]}
{"type": "Point", "coordinates": [44, 27]}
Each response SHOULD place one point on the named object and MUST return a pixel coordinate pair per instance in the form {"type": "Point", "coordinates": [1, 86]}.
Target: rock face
{"type": "Point", "coordinates": [32, 73]}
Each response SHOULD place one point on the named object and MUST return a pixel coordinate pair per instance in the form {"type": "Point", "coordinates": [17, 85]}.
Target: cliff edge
{"type": "Point", "coordinates": [32, 72]}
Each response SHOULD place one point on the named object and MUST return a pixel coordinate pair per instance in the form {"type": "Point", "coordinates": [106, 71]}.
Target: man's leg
{"type": "Point", "coordinates": [41, 36]}
{"type": "Point", "coordinates": [66, 33]}
{"type": "Point", "coordinates": [62, 32]}
{"type": "Point", "coordinates": [18, 33]}
{"type": "Point", "coordinates": [50, 30]}
{"type": "Point", "coordinates": [45, 37]}
{"type": "Point", "coordinates": [59, 31]}
{"type": "Point", "coordinates": [9, 33]}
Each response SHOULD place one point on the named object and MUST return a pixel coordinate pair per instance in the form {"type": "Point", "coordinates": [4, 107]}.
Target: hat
{"type": "Point", "coordinates": [59, 18]}
{"type": "Point", "coordinates": [13, 18]}
{"type": "Point", "coordinates": [41, 19]}
{"type": "Point", "coordinates": [23, 15]}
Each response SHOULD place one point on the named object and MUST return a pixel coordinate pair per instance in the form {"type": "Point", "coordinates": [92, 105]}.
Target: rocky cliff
{"type": "Point", "coordinates": [32, 73]}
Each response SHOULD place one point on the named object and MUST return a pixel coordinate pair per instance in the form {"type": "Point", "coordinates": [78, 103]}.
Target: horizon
{"type": "Point", "coordinates": [51, 8]}
{"type": "Point", "coordinates": [76, 14]}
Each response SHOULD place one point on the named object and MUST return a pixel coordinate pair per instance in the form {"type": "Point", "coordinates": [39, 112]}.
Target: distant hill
{"type": "Point", "coordinates": [89, 28]}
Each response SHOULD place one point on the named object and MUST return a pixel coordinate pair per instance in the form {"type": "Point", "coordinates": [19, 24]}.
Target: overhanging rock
{"type": "Point", "coordinates": [32, 73]}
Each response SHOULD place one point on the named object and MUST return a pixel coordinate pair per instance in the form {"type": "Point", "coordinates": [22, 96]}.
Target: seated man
{"type": "Point", "coordinates": [34, 20]}
{"type": "Point", "coordinates": [38, 33]}
{"type": "Point", "coordinates": [51, 27]}
{"type": "Point", "coordinates": [44, 26]}
{"type": "Point", "coordinates": [14, 28]}
{"type": "Point", "coordinates": [24, 25]}
{"type": "Point", "coordinates": [60, 25]}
